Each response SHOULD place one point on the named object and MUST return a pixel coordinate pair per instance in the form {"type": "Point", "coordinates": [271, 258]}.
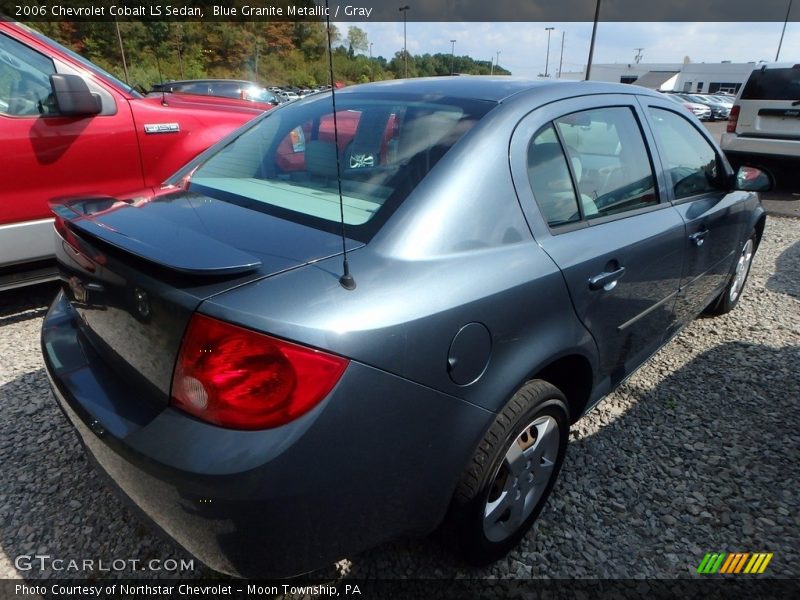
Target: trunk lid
{"type": "Point", "coordinates": [134, 272]}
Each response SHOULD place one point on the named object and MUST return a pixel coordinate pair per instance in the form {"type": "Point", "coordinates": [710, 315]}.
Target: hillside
{"type": "Point", "coordinates": [270, 53]}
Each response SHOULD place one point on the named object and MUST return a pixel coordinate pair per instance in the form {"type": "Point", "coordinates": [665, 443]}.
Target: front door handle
{"type": "Point", "coordinates": [699, 237]}
{"type": "Point", "coordinates": [606, 280]}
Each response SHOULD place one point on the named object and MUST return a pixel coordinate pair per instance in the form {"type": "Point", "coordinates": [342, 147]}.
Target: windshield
{"type": "Point", "coordinates": [773, 84]}
{"type": "Point", "coordinates": [85, 63]}
{"type": "Point", "coordinates": [286, 164]}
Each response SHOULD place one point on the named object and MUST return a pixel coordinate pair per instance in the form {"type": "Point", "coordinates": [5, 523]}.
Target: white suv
{"type": "Point", "coordinates": [764, 126]}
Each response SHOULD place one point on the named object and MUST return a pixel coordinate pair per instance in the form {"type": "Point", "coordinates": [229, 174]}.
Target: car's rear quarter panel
{"type": "Point", "coordinates": [343, 477]}
{"type": "Point", "coordinates": [458, 250]}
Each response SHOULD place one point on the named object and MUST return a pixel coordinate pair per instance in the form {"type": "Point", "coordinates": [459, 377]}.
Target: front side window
{"type": "Point", "coordinates": [286, 164]}
{"type": "Point", "coordinates": [691, 162]}
{"type": "Point", "coordinates": [609, 161]}
{"type": "Point", "coordinates": [24, 80]}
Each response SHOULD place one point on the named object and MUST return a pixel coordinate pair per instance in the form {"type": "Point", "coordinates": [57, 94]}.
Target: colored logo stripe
{"type": "Point", "coordinates": [758, 563]}
{"type": "Point", "coordinates": [734, 563]}
{"type": "Point", "coordinates": [711, 562]}
{"type": "Point", "coordinates": [738, 563]}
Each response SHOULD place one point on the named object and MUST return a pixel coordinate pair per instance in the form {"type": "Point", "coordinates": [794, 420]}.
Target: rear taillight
{"type": "Point", "coordinates": [732, 119]}
{"type": "Point", "coordinates": [241, 379]}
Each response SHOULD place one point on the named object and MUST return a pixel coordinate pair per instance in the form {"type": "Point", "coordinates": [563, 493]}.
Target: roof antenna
{"type": "Point", "coordinates": [161, 81]}
{"type": "Point", "coordinates": [346, 280]}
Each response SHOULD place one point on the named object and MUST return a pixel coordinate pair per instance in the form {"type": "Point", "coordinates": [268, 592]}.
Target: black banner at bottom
{"type": "Point", "coordinates": [422, 589]}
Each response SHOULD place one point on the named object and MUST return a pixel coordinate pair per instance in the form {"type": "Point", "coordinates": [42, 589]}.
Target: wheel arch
{"type": "Point", "coordinates": [574, 376]}
{"type": "Point", "coordinates": [759, 227]}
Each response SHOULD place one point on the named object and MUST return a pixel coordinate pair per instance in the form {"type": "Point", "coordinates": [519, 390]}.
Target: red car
{"type": "Point", "coordinates": [291, 151]}
{"type": "Point", "coordinates": [67, 127]}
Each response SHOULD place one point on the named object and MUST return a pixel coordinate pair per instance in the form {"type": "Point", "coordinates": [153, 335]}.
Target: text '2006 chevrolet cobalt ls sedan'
{"type": "Point", "coordinates": [514, 251]}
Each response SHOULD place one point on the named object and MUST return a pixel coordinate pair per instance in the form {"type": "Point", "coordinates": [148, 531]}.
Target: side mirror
{"type": "Point", "coordinates": [73, 97]}
{"type": "Point", "coordinates": [750, 179]}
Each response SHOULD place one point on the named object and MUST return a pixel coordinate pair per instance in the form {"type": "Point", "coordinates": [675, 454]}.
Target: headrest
{"type": "Point", "coordinates": [321, 158]}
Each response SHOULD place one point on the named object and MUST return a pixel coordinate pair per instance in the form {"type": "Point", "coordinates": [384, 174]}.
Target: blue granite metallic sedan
{"type": "Point", "coordinates": [378, 314]}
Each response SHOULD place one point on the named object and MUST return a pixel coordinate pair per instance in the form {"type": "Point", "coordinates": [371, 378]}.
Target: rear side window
{"type": "Point", "coordinates": [550, 179]}
{"type": "Point", "coordinates": [286, 164]}
{"type": "Point", "coordinates": [691, 161]}
{"type": "Point", "coordinates": [773, 84]}
{"type": "Point", "coordinates": [191, 88]}
{"type": "Point", "coordinates": [24, 80]}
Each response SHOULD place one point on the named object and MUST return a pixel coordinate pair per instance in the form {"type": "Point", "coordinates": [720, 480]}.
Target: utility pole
{"type": "Point", "coordinates": [785, 21]}
{"type": "Point", "coordinates": [452, 56]}
{"type": "Point", "coordinates": [638, 58]}
{"type": "Point", "coordinates": [591, 44]}
{"type": "Point", "coordinates": [370, 50]}
{"type": "Point", "coordinates": [404, 9]}
{"type": "Point", "coordinates": [561, 60]}
{"type": "Point", "coordinates": [547, 60]}
{"type": "Point", "coordinates": [496, 63]}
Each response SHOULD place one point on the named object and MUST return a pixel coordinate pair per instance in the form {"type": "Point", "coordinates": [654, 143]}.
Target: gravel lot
{"type": "Point", "coordinates": [698, 452]}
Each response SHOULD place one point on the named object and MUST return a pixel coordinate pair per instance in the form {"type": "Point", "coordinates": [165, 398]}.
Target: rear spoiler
{"type": "Point", "coordinates": [159, 241]}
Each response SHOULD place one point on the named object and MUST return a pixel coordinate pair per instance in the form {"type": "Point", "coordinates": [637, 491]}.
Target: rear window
{"type": "Point", "coordinates": [773, 84]}
{"type": "Point", "coordinates": [286, 164]}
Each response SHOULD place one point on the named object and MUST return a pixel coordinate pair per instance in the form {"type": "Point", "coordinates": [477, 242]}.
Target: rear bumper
{"type": "Point", "coordinates": [779, 158]}
{"type": "Point", "coordinates": [736, 144]}
{"type": "Point", "coordinates": [377, 459]}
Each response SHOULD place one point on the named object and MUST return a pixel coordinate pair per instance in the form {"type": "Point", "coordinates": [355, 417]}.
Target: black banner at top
{"type": "Point", "coordinates": [398, 10]}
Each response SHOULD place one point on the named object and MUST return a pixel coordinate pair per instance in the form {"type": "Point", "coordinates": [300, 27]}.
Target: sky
{"type": "Point", "coordinates": [523, 46]}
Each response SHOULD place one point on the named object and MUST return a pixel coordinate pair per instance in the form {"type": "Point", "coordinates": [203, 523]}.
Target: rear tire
{"type": "Point", "coordinates": [511, 474]}
{"type": "Point", "coordinates": [729, 297]}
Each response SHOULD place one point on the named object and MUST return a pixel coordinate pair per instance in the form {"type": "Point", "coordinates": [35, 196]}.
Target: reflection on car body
{"type": "Point", "coordinates": [224, 88]}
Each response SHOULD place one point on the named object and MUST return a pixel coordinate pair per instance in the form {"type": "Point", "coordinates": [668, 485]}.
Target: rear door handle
{"type": "Point", "coordinates": [699, 237]}
{"type": "Point", "coordinates": [606, 280]}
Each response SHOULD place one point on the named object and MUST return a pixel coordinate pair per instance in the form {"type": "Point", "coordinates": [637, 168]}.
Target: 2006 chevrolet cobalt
{"type": "Point", "coordinates": [514, 251]}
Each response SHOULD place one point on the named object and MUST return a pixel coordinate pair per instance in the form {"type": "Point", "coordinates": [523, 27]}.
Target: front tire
{"type": "Point", "coordinates": [511, 474]}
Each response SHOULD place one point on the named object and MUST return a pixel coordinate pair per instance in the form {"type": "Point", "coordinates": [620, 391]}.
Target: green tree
{"type": "Point", "coordinates": [285, 53]}
{"type": "Point", "coordinates": [357, 39]}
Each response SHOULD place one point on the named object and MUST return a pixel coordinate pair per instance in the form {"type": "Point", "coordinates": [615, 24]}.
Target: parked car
{"type": "Point", "coordinates": [701, 111]}
{"type": "Point", "coordinates": [67, 127]}
{"type": "Point", "coordinates": [517, 251]}
{"type": "Point", "coordinates": [727, 101]}
{"type": "Point", "coordinates": [225, 88]}
{"type": "Point", "coordinates": [719, 111]}
{"type": "Point", "coordinates": [764, 127]}
{"type": "Point", "coordinates": [289, 96]}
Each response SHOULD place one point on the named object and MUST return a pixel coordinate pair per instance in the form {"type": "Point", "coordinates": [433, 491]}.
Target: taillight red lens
{"type": "Point", "coordinates": [733, 118]}
{"type": "Point", "coordinates": [241, 379]}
